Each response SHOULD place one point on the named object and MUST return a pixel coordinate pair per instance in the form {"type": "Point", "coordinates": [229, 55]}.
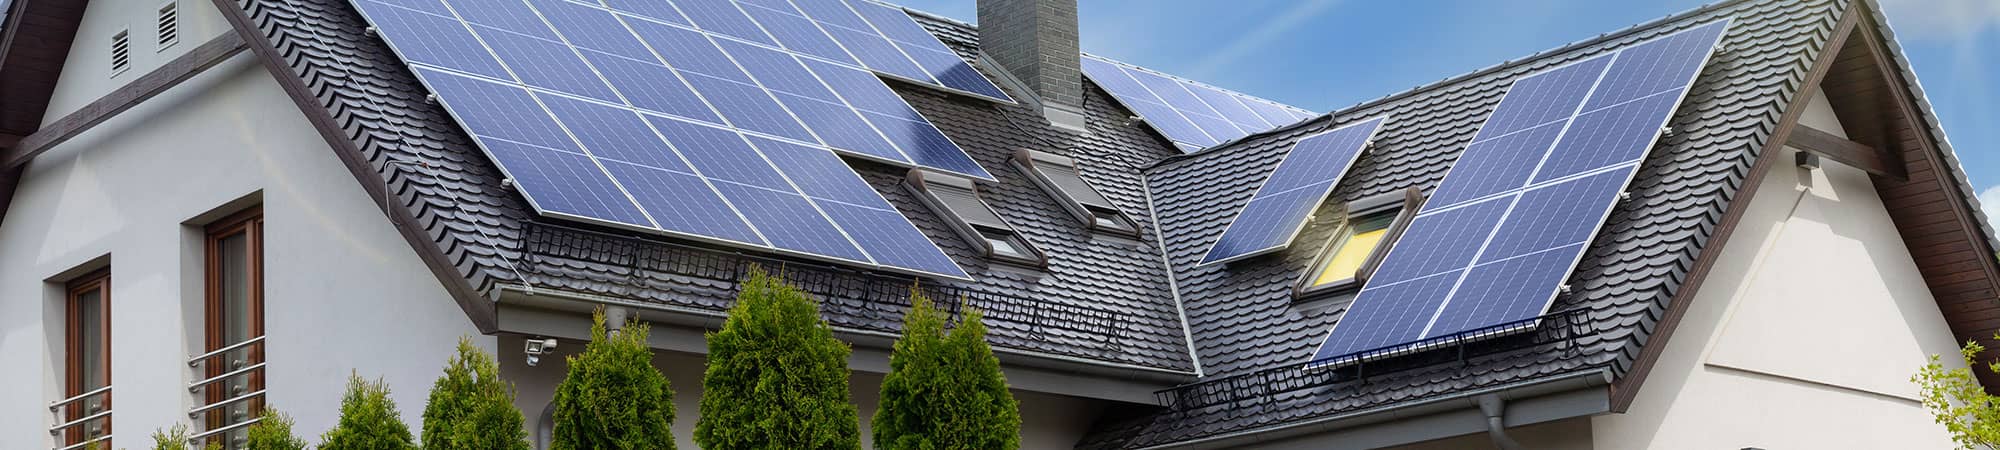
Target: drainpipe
{"type": "Point", "coordinates": [614, 319]}
{"type": "Point", "coordinates": [1493, 406]}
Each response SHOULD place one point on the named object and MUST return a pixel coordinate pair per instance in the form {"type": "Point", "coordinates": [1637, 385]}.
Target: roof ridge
{"type": "Point", "coordinates": [1455, 79]}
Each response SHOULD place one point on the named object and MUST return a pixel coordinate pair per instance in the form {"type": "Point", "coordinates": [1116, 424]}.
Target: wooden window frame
{"type": "Point", "coordinates": [99, 282]}
{"type": "Point", "coordinates": [250, 224]}
{"type": "Point", "coordinates": [1403, 204]}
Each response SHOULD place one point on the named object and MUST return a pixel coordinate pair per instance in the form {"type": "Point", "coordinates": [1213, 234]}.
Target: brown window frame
{"type": "Point", "coordinates": [1403, 205]}
{"type": "Point", "coordinates": [250, 224]}
{"type": "Point", "coordinates": [99, 282]}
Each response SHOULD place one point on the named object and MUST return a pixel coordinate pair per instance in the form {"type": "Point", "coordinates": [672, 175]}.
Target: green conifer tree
{"type": "Point", "coordinates": [776, 378]}
{"type": "Point", "coordinates": [471, 408]}
{"type": "Point", "coordinates": [944, 389]}
{"type": "Point", "coordinates": [368, 420]}
{"type": "Point", "coordinates": [613, 398]}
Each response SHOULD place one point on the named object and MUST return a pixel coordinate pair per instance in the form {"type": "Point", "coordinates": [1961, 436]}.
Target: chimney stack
{"type": "Point", "coordinates": [1036, 40]}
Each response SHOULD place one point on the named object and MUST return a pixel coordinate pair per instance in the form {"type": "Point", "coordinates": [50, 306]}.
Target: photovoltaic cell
{"type": "Point", "coordinates": [613, 133]}
{"type": "Point", "coordinates": [798, 34]}
{"type": "Point", "coordinates": [1191, 115]}
{"type": "Point", "coordinates": [545, 64]}
{"type": "Point", "coordinates": [440, 41]}
{"type": "Point", "coordinates": [722, 17]}
{"type": "Point", "coordinates": [621, 114]}
{"type": "Point", "coordinates": [788, 221]}
{"type": "Point", "coordinates": [683, 202]}
{"type": "Point", "coordinates": [509, 15]}
{"type": "Point", "coordinates": [1611, 136]}
{"type": "Point", "coordinates": [1491, 248]}
{"type": "Point", "coordinates": [651, 87]}
{"type": "Point", "coordinates": [564, 183]}
{"type": "Point", "coordinates": [650, 9]}
{"type": "Point", "coordinates": [1497, 165]}
{"type": "Point", "coordinates": [1276, 213]}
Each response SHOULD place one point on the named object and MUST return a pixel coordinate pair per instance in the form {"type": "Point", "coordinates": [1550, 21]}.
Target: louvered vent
{"type": "Point", "coordinates": [121, 52]}
{"type": "Point", "coordinates": [170, 28]}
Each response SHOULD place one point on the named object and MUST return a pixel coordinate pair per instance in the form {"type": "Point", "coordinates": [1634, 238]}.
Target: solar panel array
{"type": "Point", "coordinates": [1279, 209]}
{"type": "Point", "coordinates": [1192, 115]}
{"type": "Point", "coordinates": [686, 117]}
{"type": "Point", "coordinates": [1502, 232]}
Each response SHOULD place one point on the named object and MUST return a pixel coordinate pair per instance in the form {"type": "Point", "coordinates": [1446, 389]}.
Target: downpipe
{"type": "Point", "coordinates": [1494, 408]}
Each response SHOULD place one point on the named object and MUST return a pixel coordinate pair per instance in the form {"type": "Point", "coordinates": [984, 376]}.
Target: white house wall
{"type": "Point", "coordinates": [1805, 333]}
{"type": "Point", "coordinates": [87, 74]}
{"type": "Point", "coordinates": [344, 292]}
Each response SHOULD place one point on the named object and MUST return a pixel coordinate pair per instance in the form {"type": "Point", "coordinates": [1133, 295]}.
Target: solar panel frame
{"type": "Point", "coordinates": [569, 144]}
{"type": "Point", "coordinates": [1320, 188]}
{"type": "Point", "coordinates": [1351, 353]}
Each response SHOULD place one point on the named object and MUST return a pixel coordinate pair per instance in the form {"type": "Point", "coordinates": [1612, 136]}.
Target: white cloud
{"type": "Point", "coordinates": [1989, 202]}
{"type": "Point", "coordinates": [1942, 19]}
{"type": "Point", "coordinates": [1279, 25]}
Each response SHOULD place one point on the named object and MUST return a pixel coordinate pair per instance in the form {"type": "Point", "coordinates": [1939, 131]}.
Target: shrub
{"type": "Point", "coordinates": [945, 390]}
{"type": "Point", "coordinates": [776, 376]}
{"type": "Point", "coordinates": [612, 397]}
{"type": "Point", "coordinates": [1956, 400]}
{"type": "Point", "coordinates": [471, 408]}
{"type": "Point", "coordinates": [175, 438]}
{"type": "Point", "coordinates": [273, 433]}
{"type": "Point", "coordinates": [368, 420]}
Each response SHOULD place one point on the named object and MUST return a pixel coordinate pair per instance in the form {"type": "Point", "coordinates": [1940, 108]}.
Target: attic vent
{"type": "Point", "coordinates": [121, 52]}
{"type": "Point", "coordinates": [170, 28]}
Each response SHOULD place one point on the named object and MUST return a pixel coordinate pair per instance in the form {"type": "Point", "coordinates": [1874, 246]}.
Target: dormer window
{"type": "Point", "coordinates": [956, 199]}
{"type": "Point", "coordinates": [1366, 232]}
{"type": "Point", "coordinates": [1058, 175]}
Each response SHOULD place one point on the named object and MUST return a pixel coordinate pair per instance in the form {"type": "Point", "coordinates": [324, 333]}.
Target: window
{"type": "Point", "coordinates": [1058, 175]}
{"type": "Point", "coordinates": [234, 316]}
{"type": "Point", "coordinates": [170, 27]}
{"type": "Point", "coordinates": [87, 361]}
{"type": "Point", "coordinates": [121, 52]}
{"type": "Point", "coordinates": [1358, 245]}
{"type": "Point", "coordinates": [956, 199]}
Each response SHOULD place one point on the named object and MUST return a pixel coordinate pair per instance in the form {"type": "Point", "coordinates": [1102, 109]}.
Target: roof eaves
{"type": "Point", "coordinates": [1931, 120]}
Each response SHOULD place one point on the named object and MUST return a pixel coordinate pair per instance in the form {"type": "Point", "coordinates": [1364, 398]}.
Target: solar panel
{"type": "Point", "coordinates": [1490, 250]}
{"type": "Point", "coordinates": [1276, 213]}
{"type": "Point", "coordinates": [603, 125]}
{"type": "Point", "coordinates": [1191, 115]}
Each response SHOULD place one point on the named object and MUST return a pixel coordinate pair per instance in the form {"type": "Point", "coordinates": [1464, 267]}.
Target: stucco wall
{"type": "Point", "coordinates": [87, 73]}
{"type": "Point", "coordinates": [1047, 421]}
{"type": "Point", "coordinates": [1804, 334]}
{"type": "Point", "coordinates": [343, 291]}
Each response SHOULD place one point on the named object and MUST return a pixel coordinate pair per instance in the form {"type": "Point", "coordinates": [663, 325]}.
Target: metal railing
{"type": "Point", "coordinates": [1553, 332]}
{"type": "Point", "coordinates": [862, 300]}
{"type": "Point", "coordinates": [242, 367]}
{"type": "Point", "coordinates": [64, 424]}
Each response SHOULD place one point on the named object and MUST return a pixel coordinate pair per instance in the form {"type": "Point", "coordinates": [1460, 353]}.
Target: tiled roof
{"type": "Point", "coordinates": [1239, 317]}
{"type": "Point", "coordinates": [482, 225]}
{"type": "Point", "coordinates": [1243, 317]}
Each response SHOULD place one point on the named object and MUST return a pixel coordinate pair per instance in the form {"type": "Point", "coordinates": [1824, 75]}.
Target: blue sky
{"type": "Point", "coordinates": [1324, 55]}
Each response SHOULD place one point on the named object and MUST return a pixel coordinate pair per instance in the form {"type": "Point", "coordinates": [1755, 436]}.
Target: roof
{"type": "Point", "coordinates": [1103, 300]}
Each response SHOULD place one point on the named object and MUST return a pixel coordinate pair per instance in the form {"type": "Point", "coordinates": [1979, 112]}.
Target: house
{"type": "Point", "coordinates": [216, 206]}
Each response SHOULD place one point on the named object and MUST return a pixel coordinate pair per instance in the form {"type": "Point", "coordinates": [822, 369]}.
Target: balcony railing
{"type": "Point", "coordinates": [1556, 332]}
{"type": "Point", "coordinates": [854, 299]}
{"type": "Point", "coordinates": [251, 363]}
{"type": "Point", "coordinates": [93, 416]}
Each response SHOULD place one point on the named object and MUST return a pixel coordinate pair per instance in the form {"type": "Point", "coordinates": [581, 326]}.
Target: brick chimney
{"type": "Point", "coordinates": [1036, 41]}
